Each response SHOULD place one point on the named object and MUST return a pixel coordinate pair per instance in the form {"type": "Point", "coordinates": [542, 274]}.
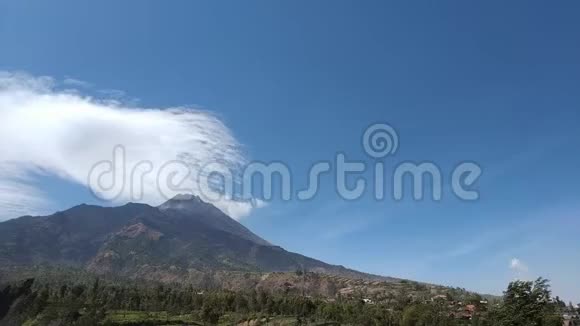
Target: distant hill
{"type": "Point", "coordinates": [179, 240]}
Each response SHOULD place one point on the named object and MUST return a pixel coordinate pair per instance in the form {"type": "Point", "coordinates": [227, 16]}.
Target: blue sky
{"type": "Point", "coordinates": [491, 82]}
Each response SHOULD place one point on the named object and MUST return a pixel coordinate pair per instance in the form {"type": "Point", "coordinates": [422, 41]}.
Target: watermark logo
{"type": "Point", "coordinates": [214, 181]}
{"type": "Point", "coordinates": [380, 140]}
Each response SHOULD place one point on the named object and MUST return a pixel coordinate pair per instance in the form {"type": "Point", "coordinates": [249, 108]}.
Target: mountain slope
{"type": "Point", "coordinates": [184, 235]}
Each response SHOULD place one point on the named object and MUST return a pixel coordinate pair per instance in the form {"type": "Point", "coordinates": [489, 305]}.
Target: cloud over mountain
{"type": "Point", "coordinates": [47, 128]}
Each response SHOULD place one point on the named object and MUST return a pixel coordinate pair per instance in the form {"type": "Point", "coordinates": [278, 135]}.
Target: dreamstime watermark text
{"type": "Point", "coordinates": [353, 179]}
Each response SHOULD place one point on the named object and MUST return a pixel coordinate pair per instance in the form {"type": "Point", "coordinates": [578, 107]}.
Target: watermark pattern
{"type": "Point", "coordinates": [380, 140]}
{"type": "Point", "coordinates": [214, 181]}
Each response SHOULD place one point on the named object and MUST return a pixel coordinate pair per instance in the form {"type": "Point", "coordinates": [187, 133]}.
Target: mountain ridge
{"type": "Point", "coordinates": [182, 236]}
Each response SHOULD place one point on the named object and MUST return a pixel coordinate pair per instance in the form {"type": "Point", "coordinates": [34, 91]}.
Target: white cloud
{"type": "Point", "coordinates": [518, 267]}
{"type": "Point", "coordinates": [73, 82]}
{"type": "Point", "coordinates": [45, 129]}
{"type": "Point", "coordinates": [17, 198]}
{"type": "Point", "coordinates": [113, 93]}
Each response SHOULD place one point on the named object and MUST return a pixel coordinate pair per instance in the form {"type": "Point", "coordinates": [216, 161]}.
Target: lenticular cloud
{"type": "Point", "coordinates": [48, 129]}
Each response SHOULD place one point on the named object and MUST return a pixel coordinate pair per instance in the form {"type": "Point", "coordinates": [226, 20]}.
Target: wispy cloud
{"type": "Point", "coordinates": [45, 128]}
{"type": "Point", "coordinates": [73, 82]}
{"type": "Point", "coordinates": [338, 231]}
{"type": "Point", "coordinates": [18, 194]}
{"type": "Point", "coordinates": [113, 93]}
{"type": "Point", "coordinates": [475, 244]}
{"type": "Point", "coordinates": [519, 268]}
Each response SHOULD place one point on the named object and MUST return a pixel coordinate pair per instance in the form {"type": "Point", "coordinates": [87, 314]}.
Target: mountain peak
{"type": "Point", "coordinates": [194, 208]}
{"type": "Point", "coordinates": [187, 202]}
{"type": "Point", "coordinates": [186, 197]}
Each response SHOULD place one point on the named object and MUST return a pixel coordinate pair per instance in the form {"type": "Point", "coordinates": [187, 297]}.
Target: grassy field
{"type": "Point", "coordinates": [134, 317]}
{"type": "Point", "coordinates": [163, 318]}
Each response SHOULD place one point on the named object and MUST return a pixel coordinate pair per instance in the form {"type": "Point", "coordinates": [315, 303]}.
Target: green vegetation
{"type": "Point", "coordinates": [98, 302]}
{"type": "Point", "coordinates": [529, 304]}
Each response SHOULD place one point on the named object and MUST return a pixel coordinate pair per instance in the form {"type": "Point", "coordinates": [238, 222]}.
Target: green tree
{"type": "Point", "coordinates": [210, 314]}
{"type": "Point", "coordinates": [528, 303]}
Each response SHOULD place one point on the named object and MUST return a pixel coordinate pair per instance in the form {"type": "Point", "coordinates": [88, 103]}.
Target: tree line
{"type": "Point", "coordinates": [41, 302]}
